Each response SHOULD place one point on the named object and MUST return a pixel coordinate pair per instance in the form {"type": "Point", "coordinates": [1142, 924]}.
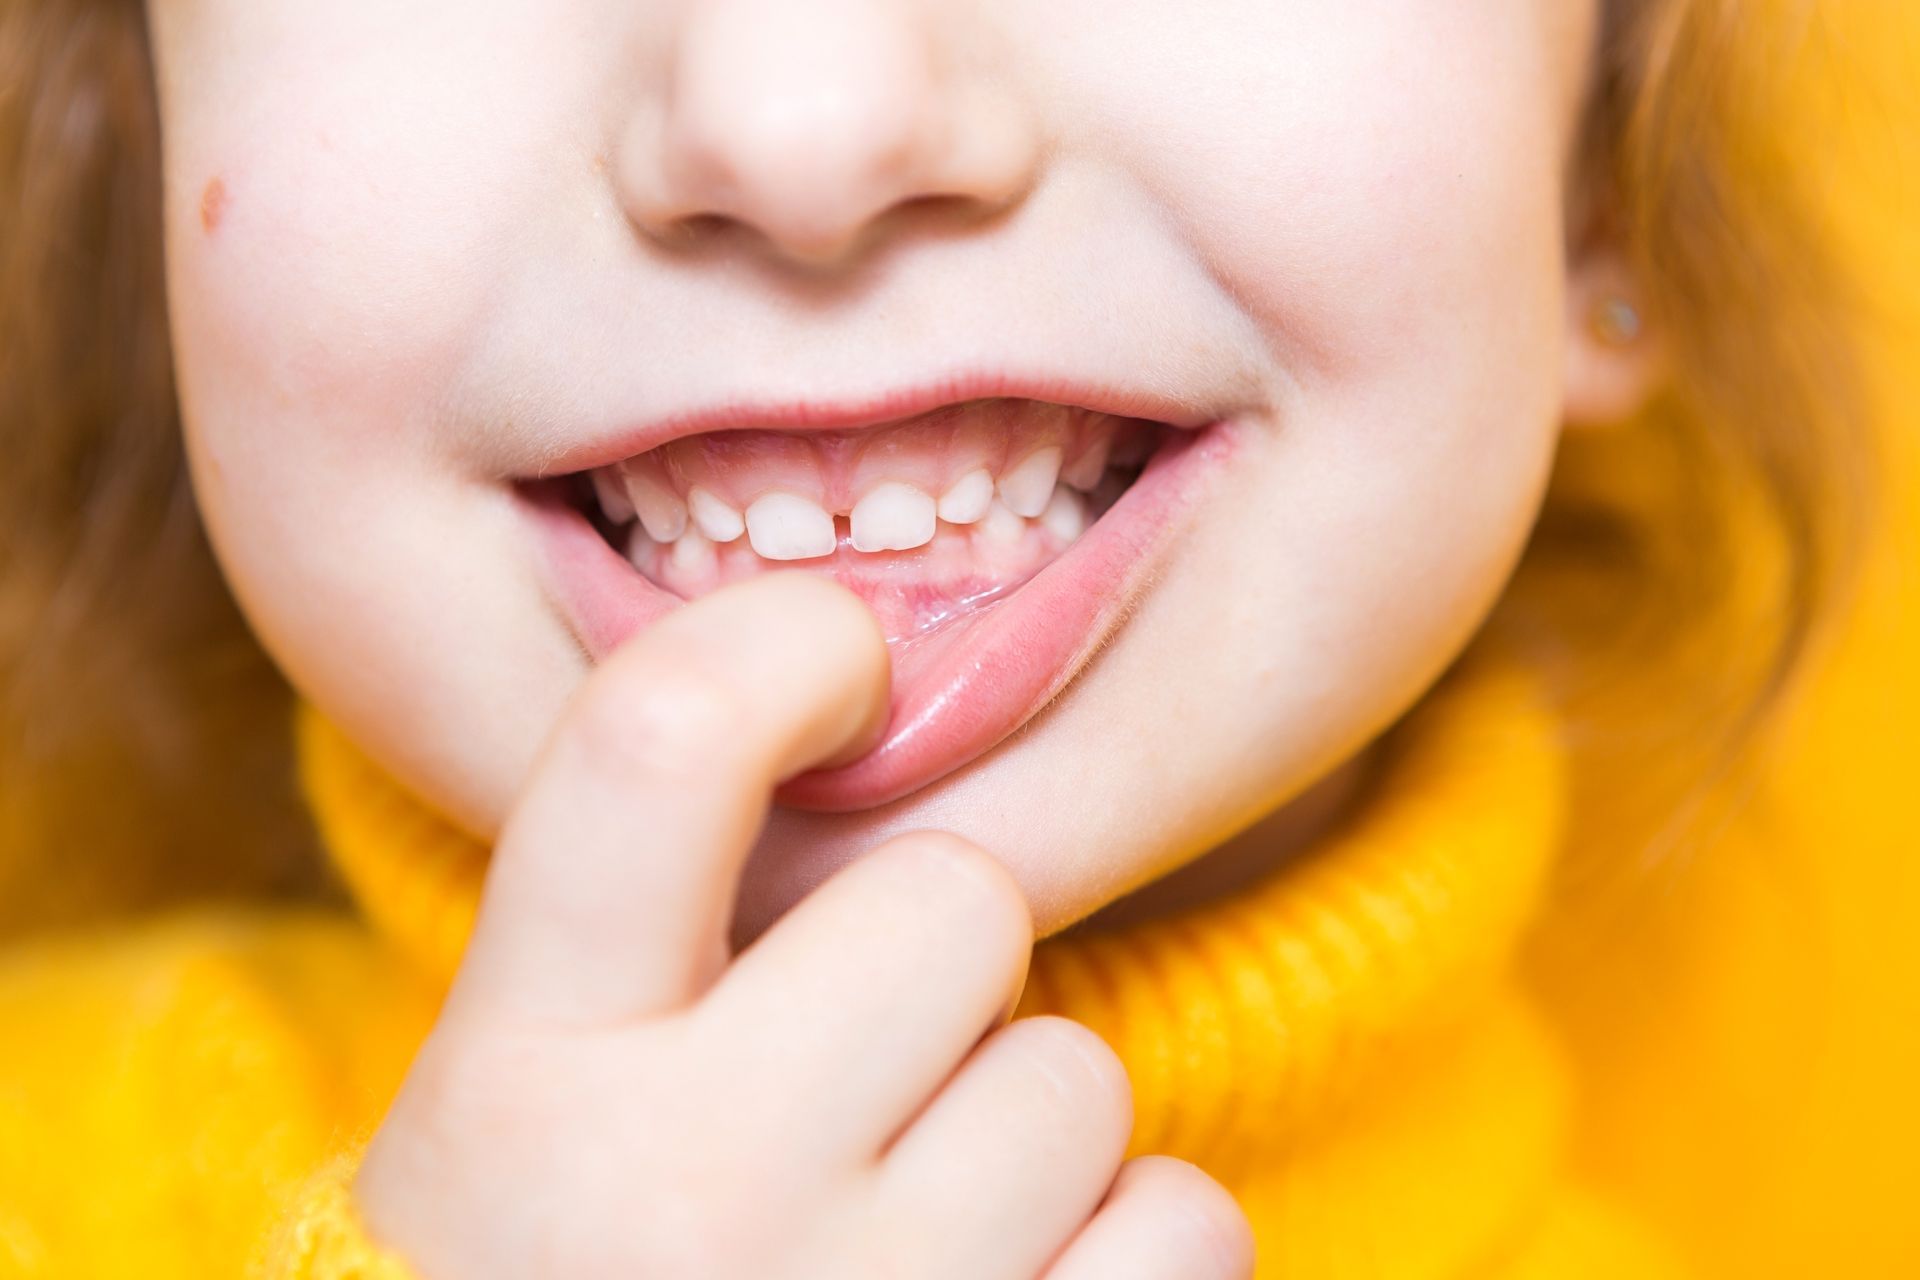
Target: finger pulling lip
{"type": "Point", "coordinates": [955, 694]}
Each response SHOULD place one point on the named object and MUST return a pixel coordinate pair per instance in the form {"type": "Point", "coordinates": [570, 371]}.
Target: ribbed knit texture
{"type": "Point", "coordinates": [1274, 1002]}
{"type": "Point", "coordinates": [1365, 1045]}
{"type": "Point", "coordinates": [1320, 1040]}
{"type": "Point", "coordinates": [1422, 1050]}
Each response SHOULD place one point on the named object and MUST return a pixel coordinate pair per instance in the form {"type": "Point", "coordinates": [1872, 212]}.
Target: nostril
{"type": "Point", "coordinates": [703, 226]}
{"type": "Point", "coordinates": [807, 243]}
{"type": "Point", "coordinates": [811, 128]}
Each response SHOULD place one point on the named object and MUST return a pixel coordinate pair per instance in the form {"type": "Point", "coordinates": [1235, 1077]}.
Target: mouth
{"type": "Point", "coordinates": [1000, 541]}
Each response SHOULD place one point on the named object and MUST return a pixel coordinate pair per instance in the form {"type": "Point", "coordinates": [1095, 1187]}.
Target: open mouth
{"type": "Point", "coordinates": [998, 541]}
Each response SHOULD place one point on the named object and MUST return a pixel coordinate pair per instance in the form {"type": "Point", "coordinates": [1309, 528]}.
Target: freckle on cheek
{"type": "Point", "coordinates": [213, 205]}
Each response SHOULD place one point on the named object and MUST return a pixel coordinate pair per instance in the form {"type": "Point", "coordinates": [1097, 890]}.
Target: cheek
{"type": "Point", "coordinates": [1390, 211]}
{"type": "Point", "coordinates": [1387, 200]}
{"type": "Point", "coordinates": [333, 206]}
{"type": "Point", "coordinates": [337, 189]}
{"type": "Point", "coordinates": [332, 201]}
{"type": "Point", "coordinates": [317, 305]}
{"type": "Point", "coordinates": [1384, 196]}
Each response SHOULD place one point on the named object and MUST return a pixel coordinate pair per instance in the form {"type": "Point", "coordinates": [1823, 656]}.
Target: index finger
{"type": "Point", "coordinates": [611, 887]}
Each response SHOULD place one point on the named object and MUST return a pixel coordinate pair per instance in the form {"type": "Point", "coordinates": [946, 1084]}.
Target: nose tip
{"type": "Point", "coordinates": [809, 123]}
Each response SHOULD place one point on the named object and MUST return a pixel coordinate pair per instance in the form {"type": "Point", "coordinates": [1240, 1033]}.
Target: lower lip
{"type": "Point", "coordinates": [959, 693]}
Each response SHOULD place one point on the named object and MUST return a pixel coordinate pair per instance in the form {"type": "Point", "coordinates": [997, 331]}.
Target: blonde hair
{"type": "Point", "coordinates": [144, 752]}
{"type": "Point", "coordinates": [143, 756]}
{"type": "Point", "coordinates": [1686, 564]}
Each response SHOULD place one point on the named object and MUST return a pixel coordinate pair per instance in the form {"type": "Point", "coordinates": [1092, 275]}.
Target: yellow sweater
{"type": "Point", "coordinates": [1389, 1050]}
{"type": "Point", "coordinates": [1345, 1044]}
{"type": "Point", "coordinates": [1418, 1052]}
{"type": "Point", "coordinates": [1359, 1045]}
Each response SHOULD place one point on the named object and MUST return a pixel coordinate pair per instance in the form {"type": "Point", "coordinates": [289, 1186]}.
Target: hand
{"type": "Point", "coordinates": [608, 1093]}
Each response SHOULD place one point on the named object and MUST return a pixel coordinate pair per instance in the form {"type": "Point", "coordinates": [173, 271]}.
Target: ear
{"type": "Point", "coordinates": [1615, 347]}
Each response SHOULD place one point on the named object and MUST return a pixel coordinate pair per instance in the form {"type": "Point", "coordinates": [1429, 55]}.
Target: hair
{"type": "Point", "coordinates": [144, 747]}
{"type": "Point", "coordinates": [1689, 564]}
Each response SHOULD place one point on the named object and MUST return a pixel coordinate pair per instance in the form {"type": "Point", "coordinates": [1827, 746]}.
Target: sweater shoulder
{"type": "Point", "coordinates": [181, 1073]}
{"type": "Point", "coordinates": [202, 989]}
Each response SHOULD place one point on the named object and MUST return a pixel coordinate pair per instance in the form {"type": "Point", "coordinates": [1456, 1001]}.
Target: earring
{"type": "Point", "coordinates": [1616, 321]}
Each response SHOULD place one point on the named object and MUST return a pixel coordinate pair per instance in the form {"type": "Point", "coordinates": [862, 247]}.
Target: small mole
{"type": "Point", "coordinates": [213, 205]}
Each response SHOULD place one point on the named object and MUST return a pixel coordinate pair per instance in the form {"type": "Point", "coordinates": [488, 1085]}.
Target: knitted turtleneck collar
{"type": "Point", "coordinates": [1240, 1020]}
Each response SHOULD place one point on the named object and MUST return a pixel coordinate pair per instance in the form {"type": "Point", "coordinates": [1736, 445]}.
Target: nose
{"type": "Point", "coordinates": [808, 121]}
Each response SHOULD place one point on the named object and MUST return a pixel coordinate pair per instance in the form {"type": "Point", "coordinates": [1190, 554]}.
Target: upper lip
{"type": "Point", "coordinates": [882, 408]}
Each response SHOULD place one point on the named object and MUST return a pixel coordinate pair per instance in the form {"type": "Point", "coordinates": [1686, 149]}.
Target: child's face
{"type": "Point", "coordinates": [422, 254]}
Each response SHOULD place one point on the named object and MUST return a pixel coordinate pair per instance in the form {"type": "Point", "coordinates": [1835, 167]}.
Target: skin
{"type": "Point", "coordinates": [378, 220]}
{"type": "Point", "coordinates": [413, 250]}
{"type": "Point", "coordinates": [846, 1098]}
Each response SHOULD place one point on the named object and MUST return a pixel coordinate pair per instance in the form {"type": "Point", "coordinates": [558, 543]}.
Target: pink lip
{"type": "Point", "coordinates": [980, 679]}
{"type": "Point", "coordinates": [890, 407]}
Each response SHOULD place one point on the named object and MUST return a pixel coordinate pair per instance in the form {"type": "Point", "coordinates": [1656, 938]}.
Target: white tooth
{"type": "Point", "coordinates": [692, 553]}
{"type": "Point", "coordinates": [659, 507]}
{"type": "Point", "coordinates": [1087, 469]}
{"type": "Point", "coordinates": [614, 503]}
{"type": "Point", "coordinates": [786, 526]}
{"type": "Point", "coordinates": [1026, 488]}
{"type": "Point", "coordinates": [714, 517]}
{"type": "Point", "coordinates": [1002, 525]}
{"type": "Point", "coordinates": [968, 499]}
{"type": "Point", "coordinates": [639, 546]}
{"type": "Point", "coordinates": [1065, 517]}
{"type": "Point", "coordinates": [892, 517]}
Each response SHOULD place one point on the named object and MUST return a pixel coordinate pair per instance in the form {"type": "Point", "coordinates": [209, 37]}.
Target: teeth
{"type": "Point", "coordinates": [1066, 516]}
{"type": "Point", "coordinates": [688, 532]}
{"type": "Point", "coordinates": [969, 498]}
{"type": "Point", "coordinates": [786, 526]}
{"type": "Point", "coordinates": [1026, 488]}
{"type": "Point", "coordinates": [714, 517]}
{"type": "Point", "coordinates": [1087, 469]}
{"type": "Point", "coordinates": [692, 553]}
{"type": "Point", "coordinates": [1002, 525]}
{"type": "Point", "coordinates": [892, 517]}
{"type": "Point", "coordinates": [661, 512]}
{"type": "Point", "coordinates": [638, 544]}
{"type": "Point", "coordinates": [614, 503]}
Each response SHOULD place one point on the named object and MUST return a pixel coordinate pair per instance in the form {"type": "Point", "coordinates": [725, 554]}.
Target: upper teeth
{"type": "Point", "coordinates": [1027, 486]}
{"type": "Point", "coordinates": [662, 514]}
{"type": "Point", "coordinates": [786, 526]}
{"type": "Point", "coordinates": [892, 517]}
{"type": "Point", "coordinates": [1087, 469]}
{"type": "Point", "coordinates": [714, 517]}
{"type": "Point", "coordinates": [1036, 490]}
{"type": "Point", "coordinates": [613, 496]}
{"type": "Point", "coordinates": [967, 500]}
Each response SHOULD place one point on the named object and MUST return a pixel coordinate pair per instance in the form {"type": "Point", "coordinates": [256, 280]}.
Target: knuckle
{"type": "Point", "coordinates": [469, 1095]}
{"type": "Point", "coordinates": [1209, 1222]}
